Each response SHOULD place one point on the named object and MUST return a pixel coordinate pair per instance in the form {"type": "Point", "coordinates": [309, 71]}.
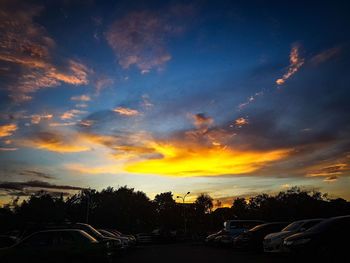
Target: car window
{"type": "Point", "coordinates": [310, 224]}
{"type": "Point", "coordinates": [64, 238]}
{"type": "Point", "coordinates": [40, 239]}
{"type": "Point", "coordinates": [293, 226]}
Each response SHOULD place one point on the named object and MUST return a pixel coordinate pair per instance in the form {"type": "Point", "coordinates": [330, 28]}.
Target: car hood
{"type": "Point", "coordinates": [281, 234]}
{"type": "Point", "coordinates": [300, 236]}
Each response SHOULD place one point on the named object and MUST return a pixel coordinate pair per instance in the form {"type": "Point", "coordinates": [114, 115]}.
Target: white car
{"type": "Point", "coordinates": [273, 242]}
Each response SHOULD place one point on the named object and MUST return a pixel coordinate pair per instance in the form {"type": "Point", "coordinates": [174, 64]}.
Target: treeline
{"type": "Point", "coordinates": [132, 211]}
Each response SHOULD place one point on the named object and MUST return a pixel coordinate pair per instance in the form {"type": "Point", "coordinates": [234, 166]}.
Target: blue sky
{"type": "Point", "coordinates": [228, 98]}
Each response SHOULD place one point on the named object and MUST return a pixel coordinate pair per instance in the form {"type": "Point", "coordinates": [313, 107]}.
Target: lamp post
{"type": "Point", "coordinates": [184, 212]}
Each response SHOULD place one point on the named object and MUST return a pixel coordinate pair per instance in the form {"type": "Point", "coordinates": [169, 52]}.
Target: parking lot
{"type": "Point", "coordinates": [194, 252]}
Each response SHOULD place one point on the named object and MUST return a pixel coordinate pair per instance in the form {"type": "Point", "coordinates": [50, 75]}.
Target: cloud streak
{"type": "Point", "coordinates": [7, 130]}
{"type": "Point", "coordinates": [295, 63]}
{"type": "Point", "coordinates": [126, 111]}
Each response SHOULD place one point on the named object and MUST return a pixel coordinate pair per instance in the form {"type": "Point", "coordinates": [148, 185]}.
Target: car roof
{"type": "Point", "coordinates": [308, 220]}
{"type": "Point", "coordinates": [61, 230]}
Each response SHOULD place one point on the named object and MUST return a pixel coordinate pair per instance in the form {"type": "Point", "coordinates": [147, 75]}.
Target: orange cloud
{"type": "Point", "coordinates": [36, 118]}
{"type": "Point", "coordinates": [88, 169]}
{"type": "Point", "coordinates": [200, 119]}
{"type": "Point", "coordinates": [8, 149]}
{"type": "Point", "coordinates": [331, 178]}
{"type": "Point", "coordinates": [26, 44]}
{"type": "Point", "coordinates": [285, 185]}
{"type": "Point", "coordinates": [81, 98]}
{"type": "Point", "coordinates": [193, 160]}
{"type": "Point", "coordinates": [241, 121]}
{"type": "Point", "coordinates": [295, 63]}
{"type": "Point", "coordinates": [55, 124]}
{"type": "Point", "coordinates": [55, 142]}
{"type": "Point", "coordinates": [125, 111]}
{"type": "Point", "coordinates": [7, 130]}
{"type": "Point", "coordinates": [71, 114]}
{"type": "Point", "coordinates": [334, 169]}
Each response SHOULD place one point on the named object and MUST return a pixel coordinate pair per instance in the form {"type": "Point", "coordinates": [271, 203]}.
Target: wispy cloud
{"type": "Point", "coordinates": [295, 63]}
{"type": "Point", "coordinates": [54, 142]}
{"type": "Point", "coordinates": [125, 111]}
{"type": "Point", "coordinates": [62, 124]}
{"type": "Point", "coordinates": [101, 83]}
{"type": "Point", "coordinates": [326, 55]}
{"type": "Point", "coordinates": [139, 38]}
{"type": "Point", "coordinates": [83, 97]}
{"type": "Point", "coordinates": [332, 178]}
{"type": "Point", "coordinates": [71, 114]}
{"type": "Point", "coordinates": [7, 130]}
{"type": "Point", "coordinates": [8, 149]}
{"type": "Point", "coordinates": [35, 173]}
{"type": "Point", "coordinates": [35, 184]}
{"type": "Point", "coordinates": [241, 121]}
{"type": "Point", "coordinates": [200, 119]}
{"type": "Point", "coordinates": [334, 169]}
{"type": "Point", "coordinates": [36, 118]}
{"type": "Point", "coordinates": [27, 50]}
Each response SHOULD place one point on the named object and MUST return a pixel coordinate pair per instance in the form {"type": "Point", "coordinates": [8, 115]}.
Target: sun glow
{"type": "Point", "coordinates": [187, 161]}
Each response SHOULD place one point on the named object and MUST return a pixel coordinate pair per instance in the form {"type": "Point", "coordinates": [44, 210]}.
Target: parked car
{"type": "Point", "coordinates": [60, 245]}
{"type": "Point", "coordinates": [273, 242]}
{"type": "Point", "coordinates": [132, 238]}
{"type": "Point", "coordinates": [231, 229]}
{"type": "Point", "coordinates": [328, 240]}
{"type": "Point", "coordinates": [7, 241]}
{"type": "Point", "coordinates": [123, 240]}
{"type": "Point", "coordinates": [253, 239]}
{"type": "Point", "coordinates": [144, 238]}
{"type": "Point", "coordinates": [224, 239]}
{"type": "Point", "coordinates": [211, 238]}
{"type": "Point", "coordinates": [239, 226]}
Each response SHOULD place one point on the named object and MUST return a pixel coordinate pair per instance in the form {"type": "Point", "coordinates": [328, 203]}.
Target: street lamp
{"type": "Point", "coordinates": [183, 203]}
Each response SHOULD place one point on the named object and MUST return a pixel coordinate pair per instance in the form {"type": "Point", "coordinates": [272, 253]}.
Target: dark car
{"type": "Point", "coordinates": [253, 239]}
{"type": "Point", "coordinates": [7, 241]}
{"type": "Point", "coordinates": [132, 238]}
{"type": "Point", "coordinates": [273, 242]}
{"type": "Point", "coordinates": [326, 240]}
{"type": "Point", "coordinates": [61, 245]}
{"type": "Point", "coordinates": [124, 240]}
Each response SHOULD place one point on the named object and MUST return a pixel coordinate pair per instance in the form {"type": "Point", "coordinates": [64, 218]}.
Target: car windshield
{"type": "Point", "coordinates": [293, 226]}
{"type": "Point", "coordinates": [92, 231]}
{"type": "Point", "coordinates": [324, 225]}
{"type": "Point", "coordinates": [256, 228]}
{"type": "Point", "coordinates": [106, 233]}
{"type": "Point", "coordinates": [90, 238]}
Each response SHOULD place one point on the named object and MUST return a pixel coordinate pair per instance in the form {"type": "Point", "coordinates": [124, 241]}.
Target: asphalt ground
{"type": "Point", "coordinates": [195, 252]}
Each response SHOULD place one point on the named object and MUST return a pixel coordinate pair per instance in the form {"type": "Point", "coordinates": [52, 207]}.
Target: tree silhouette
{"type": "Point", "coordinates": [204, 203]}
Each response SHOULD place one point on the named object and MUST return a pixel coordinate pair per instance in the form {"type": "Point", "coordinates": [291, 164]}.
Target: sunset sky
{"type": "Point", "coordinates": [228, 98]}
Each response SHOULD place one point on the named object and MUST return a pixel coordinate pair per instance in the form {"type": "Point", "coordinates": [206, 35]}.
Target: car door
{"type": "Point", "coordinates": [34, 248]}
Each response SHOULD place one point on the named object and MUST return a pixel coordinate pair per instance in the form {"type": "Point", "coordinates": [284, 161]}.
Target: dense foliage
{"type": "Point", "coordinates": [132, 211]}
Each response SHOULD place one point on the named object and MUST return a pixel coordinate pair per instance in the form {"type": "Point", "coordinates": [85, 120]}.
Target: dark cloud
{"type": "Point", "coordinates": [8, 186]}
{"type": "Point", "coordinates": [36, 174]}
